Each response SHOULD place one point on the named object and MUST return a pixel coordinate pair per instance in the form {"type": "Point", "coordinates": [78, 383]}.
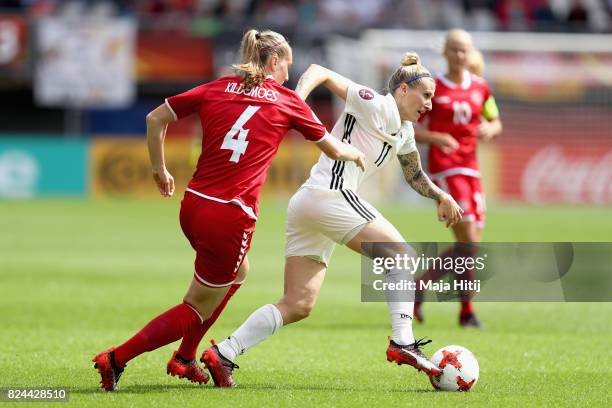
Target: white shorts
{"type": "Point", "coordinates": [317, 219]}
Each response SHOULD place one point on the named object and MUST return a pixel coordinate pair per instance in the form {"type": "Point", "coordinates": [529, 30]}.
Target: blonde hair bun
{"type": "Point", "coordinates": [410, 58]}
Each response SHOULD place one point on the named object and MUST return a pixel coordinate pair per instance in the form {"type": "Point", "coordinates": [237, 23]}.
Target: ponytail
{"type": "Point", "coordinates": [255, 51]}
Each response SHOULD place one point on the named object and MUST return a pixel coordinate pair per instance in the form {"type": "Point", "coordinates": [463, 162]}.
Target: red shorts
{"type": "Point", "coordinates": [221, 236]}
{"type": "Point", "coordinates": [467, 191]}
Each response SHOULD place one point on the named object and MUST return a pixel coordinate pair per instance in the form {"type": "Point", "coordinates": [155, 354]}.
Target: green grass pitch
{"type": "Point", "coordinates": [79, 276]}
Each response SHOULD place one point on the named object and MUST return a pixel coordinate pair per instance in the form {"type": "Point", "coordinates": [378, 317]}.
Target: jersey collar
{"type": "Point", "coordinates": [395, 121]}
{"type": "Point", "coordinates": [467, 81]}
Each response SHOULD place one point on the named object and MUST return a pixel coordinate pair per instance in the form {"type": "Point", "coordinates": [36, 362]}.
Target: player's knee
{"type": "Point", "coordinates": [192, 299]}
{"type": "Point", "coordinates": [296, 309]}
{"type": "Point", "coordinates": [242, 272]}
{"type": "Point", "coordinates": [241, 275]}
{"type": "Point", "coordinates": [199, 305]}
{"type": "Point", "coordinates": [302, 310]}
{"type": "Point", "coordinates": [204, 303]}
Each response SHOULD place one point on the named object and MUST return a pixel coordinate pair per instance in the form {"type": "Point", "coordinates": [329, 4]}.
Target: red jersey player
{"type": "Point", "coordinates": [244, 119]}
{"type": "Point", "coordinates": [453, 128]}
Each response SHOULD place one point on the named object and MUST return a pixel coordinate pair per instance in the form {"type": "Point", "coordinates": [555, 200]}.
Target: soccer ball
{"type": "Point", "coordinates": [459, 369]}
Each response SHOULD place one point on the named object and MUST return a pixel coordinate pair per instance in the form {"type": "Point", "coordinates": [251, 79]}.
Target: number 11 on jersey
{"type": "Point", "coordinates": [235, 139]}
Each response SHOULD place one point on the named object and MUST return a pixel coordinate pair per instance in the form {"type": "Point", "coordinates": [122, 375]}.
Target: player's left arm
{"type": "Point", "coordinates": [492, 126]}
{"type": "Point", "coordinates": [448, 209]}
{"type": "Point", "coordinates": [317, 75]}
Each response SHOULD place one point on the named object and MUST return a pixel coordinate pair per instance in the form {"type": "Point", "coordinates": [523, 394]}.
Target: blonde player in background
{"type": "Point", "coordinates": [464, 113]}
{"type": "Point", "coordinates": [327, 211]}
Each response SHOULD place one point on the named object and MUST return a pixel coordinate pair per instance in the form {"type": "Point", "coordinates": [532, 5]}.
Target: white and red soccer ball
{"type": "Point", "coordinates": [459, 369]}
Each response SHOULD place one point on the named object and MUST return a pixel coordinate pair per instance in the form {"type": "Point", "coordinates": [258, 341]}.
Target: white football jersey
{"type": "Point", "coordinates": [371, 123]}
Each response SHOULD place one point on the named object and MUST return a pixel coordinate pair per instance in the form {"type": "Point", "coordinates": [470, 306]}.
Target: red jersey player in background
{"type": "Point", "coordinates": [463, 114]}
{"type": "Point", "coordinates": [244, 118]}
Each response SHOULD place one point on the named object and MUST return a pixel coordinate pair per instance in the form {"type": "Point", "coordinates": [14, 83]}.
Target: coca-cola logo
{"type": "Point", "coordinates": [552, 175]}
{"type": "Point", "coordinates": [366, 94]}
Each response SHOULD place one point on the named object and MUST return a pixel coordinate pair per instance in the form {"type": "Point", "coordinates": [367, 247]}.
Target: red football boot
{"type": "Point", "coordinates": [411, 354]}
{"type": "Point", "coordinates": [220, 368]}
{"type": "Point", "coordinates": [110, 373]}
{"type": "Point", "coordinates": [178, 366]}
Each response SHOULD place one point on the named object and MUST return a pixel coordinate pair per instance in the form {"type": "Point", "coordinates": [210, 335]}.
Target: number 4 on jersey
{"type": "Point", "coordinates": [235, 139]}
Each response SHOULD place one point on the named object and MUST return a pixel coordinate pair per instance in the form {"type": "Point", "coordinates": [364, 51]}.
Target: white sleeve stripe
{"type": "Point", "coordinates": [171, 110]}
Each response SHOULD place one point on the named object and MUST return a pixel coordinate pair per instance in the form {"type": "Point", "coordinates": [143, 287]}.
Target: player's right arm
{"type": "Point", "coordinates": [317, 75]}
{"type": "Point", "coordinates": [157, 123]}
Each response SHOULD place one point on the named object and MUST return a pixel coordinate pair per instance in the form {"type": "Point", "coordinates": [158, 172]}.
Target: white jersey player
{"type": "Point", "coordinates": [326, 210]}
{"type": "Point", "coordinates": [370, 122]}
{"type": "Point", "coordinates": [328, 199]}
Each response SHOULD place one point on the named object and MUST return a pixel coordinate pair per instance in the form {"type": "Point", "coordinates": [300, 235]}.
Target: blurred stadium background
{"type": "Point", "coordinates": [78, 77]}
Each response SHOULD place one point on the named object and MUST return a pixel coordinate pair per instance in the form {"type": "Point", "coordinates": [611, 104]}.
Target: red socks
{"type": "Point", "coordinates": [459, 249]}
{"type": "Point", "coordinates": [164, 329]}
{"type": "Point", "coordinates": [467, 308]}
{"type": "Point", "coordinates": [189, 345]}
{"type": "Point", "coordinates": [182, 321]}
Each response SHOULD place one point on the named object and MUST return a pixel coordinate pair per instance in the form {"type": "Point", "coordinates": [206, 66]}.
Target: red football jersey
{"type": "Point", "coordinates": [242, 130]}
{"type": "Point", "coordinates": [456, 110]}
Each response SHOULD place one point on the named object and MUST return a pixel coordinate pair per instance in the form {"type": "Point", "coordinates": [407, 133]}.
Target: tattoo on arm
{"type": "Point", "coordinates": [414, 175]}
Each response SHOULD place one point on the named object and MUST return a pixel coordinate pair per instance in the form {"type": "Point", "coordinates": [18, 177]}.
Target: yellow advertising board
{"type": "Point", "coordinates": [122, 167]}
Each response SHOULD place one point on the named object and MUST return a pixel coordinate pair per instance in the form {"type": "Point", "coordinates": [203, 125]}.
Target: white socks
{"type": "Point", "coordinates": [260, 325]}
{"type": "Point", "coordinates": [401, 322]}
{"type": "Point", "coordinates": [401, 308]}
{"type": "Point", "coordinates": [267, 320]}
